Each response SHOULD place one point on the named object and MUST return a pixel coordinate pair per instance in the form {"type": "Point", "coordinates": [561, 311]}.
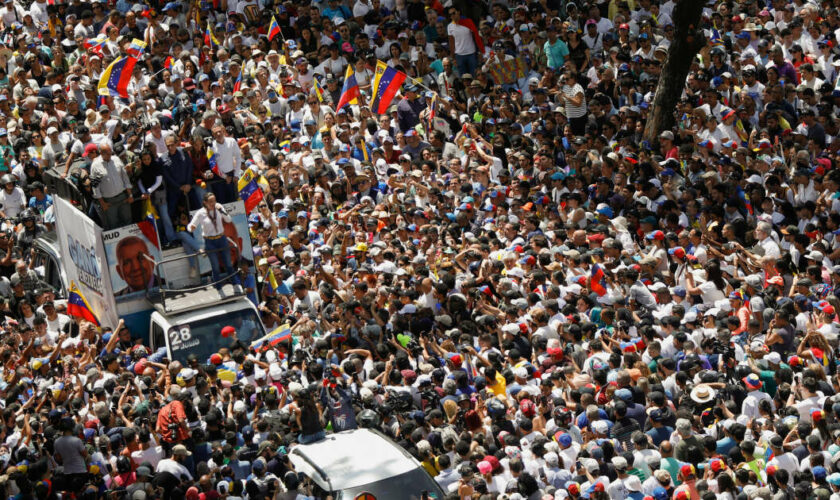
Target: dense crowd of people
{"type": "Point", "coordinates": [500, 272]}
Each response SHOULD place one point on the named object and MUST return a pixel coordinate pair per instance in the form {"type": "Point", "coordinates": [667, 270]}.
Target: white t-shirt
{"type": "Point", "coordinates": [173, 467]}
{"type": "Point", "coordinates": [710, 292]}
{"type": "Point", "coordinates": [464, 43]}
{"type": "Point", "coordinates": [153, 455]}
{"type": "Point", "coordinates": [13, 202]}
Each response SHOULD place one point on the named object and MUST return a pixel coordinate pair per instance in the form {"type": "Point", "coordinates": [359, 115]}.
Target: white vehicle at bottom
{"type": "Point", "coordinates": [364, 463]}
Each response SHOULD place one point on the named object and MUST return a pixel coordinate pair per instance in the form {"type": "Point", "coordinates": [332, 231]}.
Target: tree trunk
{"type": "Point", "coordinates": [688, 40]}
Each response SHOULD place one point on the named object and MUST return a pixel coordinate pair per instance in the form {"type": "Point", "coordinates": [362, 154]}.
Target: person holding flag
{"type": "Point", "coordinates": [410, 107]}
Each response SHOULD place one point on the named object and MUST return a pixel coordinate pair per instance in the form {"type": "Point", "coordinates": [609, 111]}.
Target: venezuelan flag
{"type": "Point", "coordinates": [350, 92]}
{"type": "Point", "coordinates": [136, 49]}
{"type": "Point", "coordinates": [214, 165]}
{"type": "Point", "coordinates": [209, 38]}
{"type": "Point", "coordinates": [167, 63]}
{"type": "Point", "coordinates": [598, 281]}
{"type": "Point", "coordinates": [319, 91]}
{"type": "Point", "coordinates": [386, 82]}
{"type": "Point", "coordinates": [286, 146]}
{"type": "Point", "coordinates": [148, 226]}
{"type": "Point", "coordinates": [818, 354]}
{"type": "Point", "coordinates": [249, 190]}
{"type": "Point", "coordinates": [271, 282]}
{"type": "Point", "coordinates": [716, 39]}
{"type": "Point", "coordinates": [273, 29]}
{"type": "Point", "coordinates": [78, 307]}
{"type": "Point", "coordinates": [744, 198]}
{"type": "Point", "coordinates": [280, 334]}
{"type": "Point", "coordinates": [365, 155]}
{"type": "Point", "coordinates": [743, 136]}
{"type": "Point", "coordinates": [114, 80]}
{"type": "Point", "coordinates": [96, 44]}
{"type": "Point", "coordinates": [237, 85]}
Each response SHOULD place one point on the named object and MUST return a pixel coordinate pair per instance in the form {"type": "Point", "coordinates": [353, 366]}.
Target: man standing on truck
{"type": "Point", "coordinates": [111, 188]}
{"type": "Point", "coordinates": [211, 217]}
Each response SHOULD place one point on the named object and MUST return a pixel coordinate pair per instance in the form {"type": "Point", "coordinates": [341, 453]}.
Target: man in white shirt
{"type": "Point", "coordinates": [808, 400]}
{"type": "Point", "coordinates": [174, 465]}
{"type": "Point", "coordinates": [766, 241]}
{"type": "Point", "coordinates": [12, 199]}
{"type": "Point", "coordinates": [212, 218]}
{"type": "Point", "coordinates": [749, 407]}
{"type": "Point", "coordinates": [229, 162]}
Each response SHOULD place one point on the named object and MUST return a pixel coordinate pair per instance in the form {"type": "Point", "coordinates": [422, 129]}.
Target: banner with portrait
{"type": "Point", "coordinates": [131, 258]}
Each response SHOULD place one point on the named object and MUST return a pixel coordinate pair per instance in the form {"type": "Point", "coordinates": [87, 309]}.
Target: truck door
{"type": "Point", "coordinates": [48, 270]}
{"type": "Point", "coordinates": [157, 336]}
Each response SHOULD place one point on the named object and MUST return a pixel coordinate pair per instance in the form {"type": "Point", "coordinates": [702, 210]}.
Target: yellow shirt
{"type": "Point", "coordinates": [499, 389]}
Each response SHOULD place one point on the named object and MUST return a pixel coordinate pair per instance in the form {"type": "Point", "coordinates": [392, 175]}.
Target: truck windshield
{"type": "Point", "coordinates": [203, 337]}
{"type": "Point", "coordinates": [409, 486]}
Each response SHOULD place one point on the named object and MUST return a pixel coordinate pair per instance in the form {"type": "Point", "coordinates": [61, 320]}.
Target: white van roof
{"type": "Point", "coordinates": [352, 458]}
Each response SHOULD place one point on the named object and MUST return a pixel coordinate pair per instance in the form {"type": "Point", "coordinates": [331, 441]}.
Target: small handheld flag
{"type": "Point", "coordinates": [280, 334]}
{"type": "Point", "coordinates": [273, 29]}
{"type": "Point", "coordinates": [148, 226]}
{"type": "Point", "coordinates": [597, 281]}
{"type": "Point", "coordinates": [237, 85]}
{"type": "Point", "coordinates": [319, 91]}
{"type": "Point", "coordinates": [78, 307]}
{"type": "Point", "coordinates": [96, 44]}
{"type": "Point", "coordinates": [350, 92]}
{"type": "Point", "coordinates": [214, 165]}
{"type": "Point", "coordinates": [271, 282]}
{"type": "Point", "coordinates": [136, 49]}
{"type": "Point", "coordinates": [209, 38]}
{"type": "Point", "coordinates": [249, 190]}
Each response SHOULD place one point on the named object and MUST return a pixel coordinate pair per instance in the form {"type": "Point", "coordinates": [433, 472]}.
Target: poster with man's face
{"type": "Point", "coordinates": [131, 260]}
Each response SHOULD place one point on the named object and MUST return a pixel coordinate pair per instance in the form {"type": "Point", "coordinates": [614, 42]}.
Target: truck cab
{"type": "Point", "coordinates": [198, 330]}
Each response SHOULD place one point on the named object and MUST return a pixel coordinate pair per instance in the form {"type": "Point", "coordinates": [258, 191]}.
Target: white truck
{"type": "Point", "coordinates": [174, 307]}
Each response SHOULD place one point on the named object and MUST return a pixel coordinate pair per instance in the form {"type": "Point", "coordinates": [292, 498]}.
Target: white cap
{"type": "Point", "coordinates": [52, 130]}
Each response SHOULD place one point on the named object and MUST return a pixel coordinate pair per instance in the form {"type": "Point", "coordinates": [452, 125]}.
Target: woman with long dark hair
{"type": "Point", "coordinates": [707, 283]}
{"type": "Point", "coordinates": [150, 184]}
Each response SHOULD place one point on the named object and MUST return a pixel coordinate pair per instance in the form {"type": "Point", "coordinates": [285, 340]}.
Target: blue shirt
{"type": "Point", "coordinates": [556, 53]}
{"type": "Point", "coordinates": [660, 434]}
{"type": "Point", "coordinates": [724, 445]}
{"type": "Point", "coordinates": [40, 206]}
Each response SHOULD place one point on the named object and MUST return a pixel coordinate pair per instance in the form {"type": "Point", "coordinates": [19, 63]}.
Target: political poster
{"type": "Point", "coordinates": [83, 256]}
{"type": "Point", "coordinates": [131, 254]}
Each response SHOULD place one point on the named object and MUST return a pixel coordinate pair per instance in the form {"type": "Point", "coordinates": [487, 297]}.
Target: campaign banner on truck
{"type": "Point", "coordinates": [83, 256]}
{"type": "Point", "coordinates": [131, 257]}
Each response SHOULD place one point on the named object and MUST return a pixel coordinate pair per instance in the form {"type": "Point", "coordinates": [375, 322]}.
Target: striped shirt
{"type": "Point", "coordinates": [570, 92]}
